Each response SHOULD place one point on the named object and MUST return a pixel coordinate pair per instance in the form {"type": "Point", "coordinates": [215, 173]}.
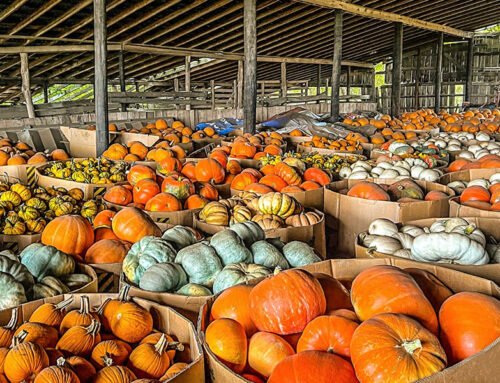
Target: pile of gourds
{"type": "Point", "coordinates": [272, 210]}
{"type": "Point", "coordinates": [39, 272]}
{"type": "Point", "coordinates": [393, 325]}
{"type": "Point", "coordinates": [27, 210]}
{"type": "Point", "coordinates": [89, 170]}
{"type": "Point", "coordinates": [21, 153]}
{"type": "Point", "coordinates": [330, 163]}
{"type": "Point", "coordinates": [450, 240]}
{"type": "Point", "coordinates": [433, 155]}
{"type": "Point", "coordinates": [288, 176]}
{"type": "Point", "coordinates": [334, 144]}
{"type": "Point", "coordinates": [115, 342]}
{"type": "Point", "coordinates": [393, 167]}
{"type": "Point", "coordinates": [403, 191]}
{"type": "Point", "coordinates": [180, 262]}
{"type": "Point", "coordinates": [255, 146]}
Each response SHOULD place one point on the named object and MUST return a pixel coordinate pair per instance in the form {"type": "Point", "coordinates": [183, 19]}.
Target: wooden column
{"type": "Point", "coordinates": [374, 87]}
{"type": "Point", "coordinates": [101, 79]}
{"type": "Point", "coordinates": [240, 84]}
{"type": "Point", "coordinates": [212, 94]}
{"type": "Point", "coordinates": [235, 94]}
{"type": "Point", "coordinates": [45, 92]}
{"type": "Point", "coordinates": [348, 85]}
{"type": "Point", "coordinates": [417, 81]}
{"type": "Point", "coordinates": [26, 86]}
{"type": "Point", "coordinates": [469, 73]}
{"type": "Point", "coordinates": [250, 65]}
{"type": "Point", "coordinates": [318, 84]}
{"type": "Point", "coordinates": [336, 65]}
{"type": "Point", "coordinates": [397, 64]}
{"type": "Point", "coordinates": [439, 73]}
{"type": "Point", "coordinates": [121, 68]}
{"type": "Point", "coordinates": [262, 92]}
{"type": "Point", "coordinates": [283, 81]}
{"type": "Point", "coordinates": [187, 78]}
{"type": "Point", "coordinates": [137, 87]}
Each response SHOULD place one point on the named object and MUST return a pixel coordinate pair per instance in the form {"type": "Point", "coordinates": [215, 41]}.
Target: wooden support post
{"type": "Point", "coordinates": [240, 84]}
{"type": "Point", "coordinates": [101, 78]}
{"type": "Point", "coordinates": [336, 66]}
{"type": "Point", "coordinates": [307, 88]}
{"type": "Point", "coordinates": [416, 102]}
{"type": "Point", "coordinates": [318, 84]}
{"type": "Point", "coordinates": [137, 86]}
{"type": "Point", "coordinates": [176, 89]}
{"type": "Point", "coordinates": [45, 92]}
{"type": "Point", "coordinates": [469, 73]}
{"type": "Point", "coordinates": [439, 73]}
{"type": "Point", "coordinates": [250, 66]}
{"type": "Point", "coordinates": [212, 91]}
{"type": "Point", "coordinates": [373, 94]}
{"type": "Point", "coordinates": [348, 85]}
{"type": "Point", "coordinates": [283, 81]}
{"type": "Point", "coordinates": [121, 68]}
{"type": "Point", "coordinates": [397, 64]}
{"type": "Point", "coordinates": [187, 78]}
{"type": "Point", "coordinates": [26, 87]}
{"type": "Point", "coordinates": [235, 94]}
{"type": "Point", "coordinates": [262, 92]}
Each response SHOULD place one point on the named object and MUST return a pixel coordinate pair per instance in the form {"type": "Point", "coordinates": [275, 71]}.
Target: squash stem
{"type": "Point", "coordinates": [161, 344]}
{"type": "Point", "coordinates": [19, 338]}
{"type": "Point", "coordinates": [108, 362]}
{"type": "Point", "coordinates": [411, 346]}
{"type": "Point", "coordinates": [100, 309]}
{"type": "Point", "coordinates": [84, 305]}
{"type": "Point", "coordinates": [62, 305]}
{"type": "Point", "coordinates": [177, 346]}
{"type": "Point", "coordinates": [123, 295]}
{"type": "Point", "coordinates": [14, 317]}
{"type": "Point", "coordinates": [94, 327]}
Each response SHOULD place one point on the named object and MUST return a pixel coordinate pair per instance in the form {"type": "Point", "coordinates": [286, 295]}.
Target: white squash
{"type": "Point", "coordinates": [448, 248]}
{"type": "Point", "coordinates": [493, 250]}
{"type": "Point", "coordinates": [415, 171]}
{"type": "Point", "coordinates": [471, 231]}
{"type": "Point", "coordinates": [479, 182]}
{"type": "Point", "coordinates": [412, 230]}
{"type": "Point", "coordinates": [345, 172]}
{"type": "Point", "coordinates": [406, 240]}
{"type": "Point", "coordinates": [383, 226]}
{"type": "Point", "coordinates": [465, 154]}
{"type": "Point", "coordinates": [457, 186]}
{"type": "Point", "coordinates": [362, 164]}
{"type": "Point", "coordinates": [377, 171]}
{"type": "Point", "coordinates": [481, 154]}
{"type": "Point", "coordinates": [384, 165]}
{"type": "Point", "coordinates": [402, 171]}
{"type": "Point", "coordinates": [389, 174]}
{"type": "Point", "coordinates": [380, 243]}
{"type": "Point", "coordinates": [361, 175]}
{"type": "Point", "coordinates": [481, 136]}
{"type": "Point", "coordinates": [403, 253]}
{"type": "Point", "coordinates": [429, 175]}
{"type": "Point", "coordinates": [495, 178]}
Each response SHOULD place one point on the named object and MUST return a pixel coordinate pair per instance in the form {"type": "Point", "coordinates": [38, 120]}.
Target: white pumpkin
{"type": "Point", "coordinates": [412, 230]}
{"type": "Point", "coordinates": [470, 231]}
{"type": "Point", "coordinates": [465, 154]}
{"type": "Point", "coordinates": [453, 148]}
{"type": "Point", "coordinates": [383, 226]}
{"type": "Point", "coordinates": [493, 250]}
{"type": "Point", "coordinates": [377, 171]}
{"type": "Point", "coordinates": [449, 248]}
{"type": "Point", "coordinates": [415, 171]}
{"type": "Point", "coordinates": [457, 186]}
{"type": "Point", "coordinates": [481, 153]}
{"type": "Point", "coordinates": [402, 171]}
{"type": "Point", "coordinates": [429, 175]}
{"type": "Point", "coordinates": [361, 175]}
{"type": "Point", "coordinates": [380, 243]}
{"type": "Point", "coordinates": [345, 172]}
{"type": "Point", "coordinates": [495, 178]}
{"type": "Point", "coordinates": [474, 148]}
{"type": "Point", "coordinates": [481, 136]}
{"type": "Point", "coordinates": [389, 174]}
{"type": "Point", "coordinates": [385, 165]}
{"type": "Point", "coordinates": [362, 164]}
{"type": "Point", "coordinates": [403, 253]}
{"type": "Point", "coordinates": [406, 240]}
{"type": "Point", "coordinates": [479, 182]}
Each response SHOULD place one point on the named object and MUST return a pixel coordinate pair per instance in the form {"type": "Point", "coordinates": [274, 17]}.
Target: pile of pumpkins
{"type": "Point", "coordinates": [255, 146]}
{"type": "Point", "coordinates": [480, 193]}
{"type": "Point", "coordinates": [88, 170]}
{"type": "Point", "coordinates": [270, 211]}
{"type": "Point", "coordinates": [137, 151]}
{"type": "Point", "coordinates": [388, 324]}
{"type": "Point", "coordinates": [287, 176]}
{"type": "Point", "coordinates": [340, 144]}
{"type": "Point", "coordinates": [391, 167]}
{"type": "Point", "coordinates": [181, 262]}
{"type": "Point", "coordinates": [27, 210]}
{"type": "Point", "coordinates": [487, 161]}
{"type": "Point", "coordinates": [21, 154]}
{"type": "Point", "coordinates": [430, 153]}
{"type": "Point", "coordinates": [331, 163]}
{"type": "Point", "coordinates": [458, 143]}
{"type": "Point", "coordinates": [448, 240]}
{"type": "Point", "coordinates": [85, 344]}
{"type": "Point", "coordinates": [38, 272]}
{"type": "Point", "coordinates": [402, 191]}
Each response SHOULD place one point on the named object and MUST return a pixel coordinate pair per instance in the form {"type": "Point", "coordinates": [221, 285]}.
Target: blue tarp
{"type": "Point", "coordinates": [223, 126]}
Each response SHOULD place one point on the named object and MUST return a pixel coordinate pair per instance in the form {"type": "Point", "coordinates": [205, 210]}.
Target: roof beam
{"type": "Point", "coordinates": [388, 16]}
{"type": "Point", "coordinates": [11, 9]}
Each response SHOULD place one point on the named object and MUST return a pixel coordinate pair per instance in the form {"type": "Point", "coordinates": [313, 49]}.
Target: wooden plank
{"type": "Point", "coordinates": [11, 8]}
{"type": "Point", "coordinates": [250, 65]}
{"type": "Point", "coordinates": [212, 91]}
{"type": "Point", "coordinates": [417, 80]}
{"type": "Point", "coordinates": [283, 80]}
{"type": "Point", "coordinates": [439, 73]}
{"type": "Point", "coordinates": [397, 59]}
{"type": "Point", "coordinates": [240, 84]}
{"type": "Point", "coordinates": [318, 80]}
{"type": "Point", "coordinates": [336, 65]}
{"type": "Point", "coordinates": [388, 16]}
{"type": "Point", "coordinates": [187, 77]}
{"type": "Point", "coordinates": [26, 87]}
{"type": "Point", "coordinates": [101, 83]}
{"type": "Point", "coordinates": [469, 70]}
{"type": "Point", "coordinates": [123, 86]}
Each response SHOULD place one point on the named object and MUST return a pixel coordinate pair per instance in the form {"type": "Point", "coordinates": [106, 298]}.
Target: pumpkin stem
{"type": "Point", "coordinates": [107, 360]}
{"type": "Point", "coordinates": [94, 327]}
{"type": "Point", "coordinates": [19, 338]}
{"type": "Point", "coordinates": [330, 350]}
{"type": "Point", "coordinates": [470, 229]}
{"type": "Point", "coordinates": [411, 346]}
{"type": "Point", "coordinates": [14, 317]}
{"type": "Point", "coordinates": [177, 346]}
{"type": "Point", "coordinates": [62, 305]}
{"type": "Point", "coordinates": [61, 362]}
{"type": "Point", "coordinates": [123, 294]}
{"type": "Point", "coordinates": [84, 305]}
{"type": "Point", "coordinates": [161, 344]}
{"type": "Point", "coordinates": [277, 270]}
{"type": "Point", "coordinates": [100, 309]}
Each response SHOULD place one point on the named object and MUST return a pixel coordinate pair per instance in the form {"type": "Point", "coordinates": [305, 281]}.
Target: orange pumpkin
{"type": "Point", "coordinates": [118, 195]}
{"type": "Point", "coordinates": [259, 188]}
{"type": "Point", "coordinates": [265, 351]}
{"type": "Point", "coordinates": [180, 187]}
{"type": "Point", "coordinates": [188, 170]}
{"type": "Point", "coordinates": [209, 170]}
{"type": "Point", "coordinates": [317, 175]}
{"type": "Point", "coordinates": [195, 202]}
{"type": "Point", "coordinates": [144, 190]}
{"type": "Point", "coordinates": [275, 182]}
{"type": "Point", "coordinates": [107, 251]}
{"type": "Point", "coordinates": [310, 185]}
{"type": "Point", "coordinates": [220, 156]}
{"type": "Point", "coordinates": [139, 172]}
{"type": "Point", "coordinates": [243, 150]}
{"type": "Point", "coordinates": [131, 224]}
{"type": "Point", "coordinates": [104, 233]}
{"type": "Point", "coordinates": [368, 190]}
{"type": "Point", "coordinates": [103, 219]}
{"type": "Point", "coordinates": [207, 191]}
{"type": "Point", "coordinates": [242, 180]}
{"type": "Point", "coordinates": [164, 202]}
{"type": "Point", "coordinates": [59, 154]}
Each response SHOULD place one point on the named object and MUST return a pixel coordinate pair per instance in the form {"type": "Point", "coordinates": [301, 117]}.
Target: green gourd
{"type": "Point", "coordinates": [230, 247]}
{"type": "Point", "coordinates": [237, 273]}
{"type": "Point", "coordinates": [13, 293]}
{"type": "Point", "coordinates": [249, 232]}
{"type": "Point", "coordinates": [43, 260]}
{"type": "Point", "coordinates": [299, 254]}
{"type": "Point", "coordinates": [267, 255]}
{"type": "Point", "coordinates": [201, 263]}
{"type": "Point", "coordinates": [194, 290]}
{"type": "Point", "coordinates": [163, 277]}
{"type": "Point", "coordinates": [180, 237]}
{"type": "Point", "coordinates": [144, 254]}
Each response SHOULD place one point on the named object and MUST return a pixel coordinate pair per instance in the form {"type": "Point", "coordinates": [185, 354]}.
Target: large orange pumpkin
{"type": "Point", "coordinates": [209, 170]}
{"type": "Point", "coordinates": [144, 190]}
{"type": "Point", "coordinates": [207, 191]}
{"type": "Point", "coordinates": [139, 172]}
{"type": "Point", "coordinates": [274, 182]}
{"type": "Point", "coordinates": [180, 187]}
{"type": "Point", "coordinates": [131, 224]}
{"type": "Point", "coordinates": [242, 180]}
{"type": "Point", "coordinates": [368, 190]}
{"type": "Point", "coordinates": [169, 165]}
{"type": "Point", "coordinates": [260, 188]}
{"type": "Point", "coordinates": [188, 170]}
{"type": "Point", "coordinates": [71, 234]}
{"type": "Point", "coordinates": [435, 290]}
{"type": "Point", "coordinates": [163, 202]}
{"type": "Point", "coordinates": [469, 322]}
{"type": "Point", "coordinates": [265, 351]}
{"type": "Point", "coordinates": [118, 195]}
{"type": "Point", "coordinates": [104, 233]}
{"type": "Point", "coordinates": [243, 150]}
{"type": "Point", "coordinates": [392, 348]}
{"type": "Point", "coordinates": [195, 202]}
{"type": "Point", "coordinates": [107, 251]}
{"type": "Point", "coordinates": [317, 175]}
{"type": "Point", "coordinates": [233, 167]}
{"type": "Point", "coordinates": [313, 367]}
{"type": "Point", "coordinates": [475, 193]}
{"type": "Point", "coordinates": [382, 289]}
{"type": "Point", "coordinates": [220, 156]}
{"type": "Point", "coordinates": [285, 303]}
{"type": "Point", "coordinates": [337, 296]}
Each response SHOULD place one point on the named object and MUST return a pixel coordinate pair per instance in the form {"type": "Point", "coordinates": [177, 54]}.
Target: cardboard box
{"type": "Point", "coordinates": [488, 226]}
{"type": "Point", "coordinates": [17, 243]}
{"type": "Point", "coordinates": [313, 235]}
{"type": "Point", "coordinates": [458, 210]}
{"type": "Point", "coordinates": [467, 175]}
{"type": "Point", "coordinates": [328, 152]}
{"type": "Point", "coordinates": [165, 319]}
{"type": "Point", "coordinates": [24, 174]}
{"type": "Point", "coordinates": [480, 368]}
{"type": "Point", "coordinates": [312, 199]}
{"type": "Point", "coordinates": [108, 276]}
{"type": "Point", "coordinates": [349, 216]}
{"type": "Point", "coordinates": [181, 217]}
{"type": "Point", "coordinates": [227, 142]}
